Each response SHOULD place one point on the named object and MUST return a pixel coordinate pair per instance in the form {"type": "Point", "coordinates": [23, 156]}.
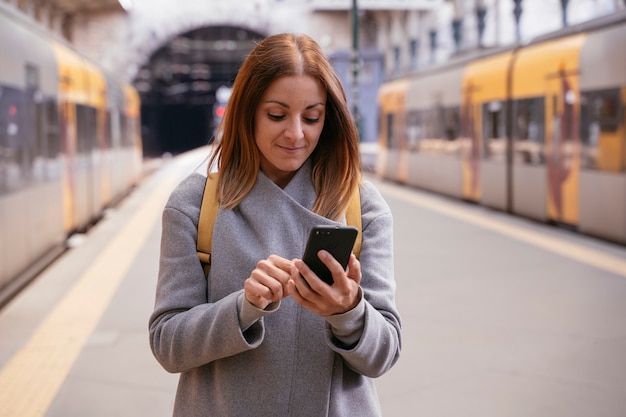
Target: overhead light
{"type": "Point", "coordinates": [126, 4]}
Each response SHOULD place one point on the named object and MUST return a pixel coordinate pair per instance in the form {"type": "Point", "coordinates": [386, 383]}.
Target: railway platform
{"type": "Point", "coordinates": [502, 316]}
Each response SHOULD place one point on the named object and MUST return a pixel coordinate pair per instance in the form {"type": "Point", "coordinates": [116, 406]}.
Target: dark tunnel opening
{"type": "Point", "coordinates": [178, 87]}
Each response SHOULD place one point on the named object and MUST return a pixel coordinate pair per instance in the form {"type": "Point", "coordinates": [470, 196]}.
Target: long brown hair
{"type": "Point", "coordinates": [336, 163]}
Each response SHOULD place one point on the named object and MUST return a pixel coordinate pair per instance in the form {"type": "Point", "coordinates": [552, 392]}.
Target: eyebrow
{"type": "Point", "coordinates": [285, 105]}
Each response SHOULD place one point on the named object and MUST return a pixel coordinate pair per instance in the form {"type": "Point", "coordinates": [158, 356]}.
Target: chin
{"type": "Point", "coordinates": [290, 166]}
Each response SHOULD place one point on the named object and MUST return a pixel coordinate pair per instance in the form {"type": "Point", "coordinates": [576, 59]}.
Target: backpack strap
{"type": "Point", "coordinates": [208, 214]}
{"type": "Point", "coordinates": [353, 218]}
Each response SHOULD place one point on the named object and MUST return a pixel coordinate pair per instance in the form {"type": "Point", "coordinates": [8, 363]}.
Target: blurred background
{"type": "Point", "coordinates": [517, 105]}
{"type": "Point", "coordinates": [495, 129]}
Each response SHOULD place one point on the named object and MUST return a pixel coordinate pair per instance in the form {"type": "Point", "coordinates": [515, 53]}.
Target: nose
{"type": "Point", "coordinates": [294, 130]}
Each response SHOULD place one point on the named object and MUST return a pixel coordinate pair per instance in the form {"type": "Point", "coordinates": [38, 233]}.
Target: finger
{"type": "Point", "coordinates": [354, 269]}
{"type": "Point", "coordinates": [278, 268]}
{"type": "Point", "coordinates": [271, 284]}
{"type": "Point", "coordinates": [326, 300]}
{"type": "Point", "coordinates": [301, 285]}
{"type": "Point", "coordinates": [298, 293]}
{"type": "Point", "coordinates": [294, 292]}
{"type": "Point", "coordinates": [335, 268]}
{"type": "Point", "coordinates": [280, 262]}
{"type": "Point", "coordinates": [308, 281]}
{"type": "Point", "coordinates": [258, 295]}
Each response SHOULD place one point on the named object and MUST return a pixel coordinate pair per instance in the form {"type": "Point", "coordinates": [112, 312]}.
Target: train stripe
{"type": "Point", "coordinates": [579, 253]}
{"type": "Point", "coordinates": [32, 377]}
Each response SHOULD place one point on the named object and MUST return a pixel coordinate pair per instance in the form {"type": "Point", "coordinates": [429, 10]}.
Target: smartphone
{"type": "Point", "coordinates": [336, 240]}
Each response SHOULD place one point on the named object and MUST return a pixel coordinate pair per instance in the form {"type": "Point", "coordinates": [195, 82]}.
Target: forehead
{"type": "Point", "coordinates": [295, 88]}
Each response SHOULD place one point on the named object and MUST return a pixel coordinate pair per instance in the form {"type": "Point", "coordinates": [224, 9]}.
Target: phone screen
{"type": "Point", "coordinates": [337, 240]}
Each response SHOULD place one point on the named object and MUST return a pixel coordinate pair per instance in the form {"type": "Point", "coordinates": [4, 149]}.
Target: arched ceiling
{"type": "Point", "coordinates": [190, 67]}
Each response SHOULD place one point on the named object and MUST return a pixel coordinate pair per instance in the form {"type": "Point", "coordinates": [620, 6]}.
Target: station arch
{"type": "Point", "coordinates": [179, 85]}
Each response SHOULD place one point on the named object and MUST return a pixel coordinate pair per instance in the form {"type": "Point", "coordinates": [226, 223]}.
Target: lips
{"type": "Point", "coordinates": [290, 149]}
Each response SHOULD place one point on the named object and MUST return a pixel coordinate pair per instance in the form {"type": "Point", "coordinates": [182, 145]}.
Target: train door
{"type": "Point", "coordinates": [94, 140]}
{"type": "Point", "coordinates": [68, 92]}
{"type": "Point", "coordinates": [562, 145]}
{"type": "Point", "coordinates": [470, 144]}
{"type": "Point", "coordinates": [87, 164]}
{"type": "Point", "coordinates": [104, 148]}
{"type": "Point", "coordinates": [484, 143]}
{"type": "Point", "coordinates": [135, 148]}
{"type": "Point", "coordinates": [392, 159]}
{"type": "Point", "coordinates": [67, 116]}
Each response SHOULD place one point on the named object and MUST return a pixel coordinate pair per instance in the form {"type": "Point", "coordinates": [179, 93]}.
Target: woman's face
{"type": "Point", "coordinates": [287, 125]}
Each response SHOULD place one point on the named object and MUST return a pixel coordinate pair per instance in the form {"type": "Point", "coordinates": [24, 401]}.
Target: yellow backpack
{"type": "Point", "coordinates": [208, 213]}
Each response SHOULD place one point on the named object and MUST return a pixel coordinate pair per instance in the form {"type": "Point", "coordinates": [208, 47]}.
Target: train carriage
{"type": "Point", "coordinates": [548, 73]}
{"type": "Point", "coordinates": [82, 100]}
{"type": "Point", "coordinates": [392, 131]}
{"type": "Point", "coordinates": [433, 123]}
{"type": "Point", "coordinates": [542, 128]}
{"type": "Point", "coordinates": [131, 138]}
{"type": "Point", "coordinates": [58, 167]}
{"type": "Point", "coordinates": [602, 204]}
{"type": "Point", "coordinates": [30, 173]}
{"type": "Point", "coordinates": [484, 101]}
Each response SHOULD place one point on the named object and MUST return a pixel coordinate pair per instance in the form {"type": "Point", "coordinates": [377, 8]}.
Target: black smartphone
{"type": "Point", "coordinates": [336, 240]}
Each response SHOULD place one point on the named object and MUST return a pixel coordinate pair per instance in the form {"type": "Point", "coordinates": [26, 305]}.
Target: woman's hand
{"type": "Point", "coordinates": [314, 294]}
{"type": "Point", "coordinates": [268, 281]}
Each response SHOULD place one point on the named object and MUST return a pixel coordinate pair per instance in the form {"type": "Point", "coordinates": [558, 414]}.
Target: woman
{"type": "Point", "coordinates": [263, 335]}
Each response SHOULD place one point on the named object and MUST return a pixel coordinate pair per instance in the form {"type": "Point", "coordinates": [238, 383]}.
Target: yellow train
{"type": "Point", "coordinates": [70, 146]}
{"type": "Point", "coordinates": [537, 130]}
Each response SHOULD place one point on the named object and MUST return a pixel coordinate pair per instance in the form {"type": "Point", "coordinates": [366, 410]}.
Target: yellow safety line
{"type": "Point", "coordinates": [31, 379]}
{"type": "Point", "coordinates": [580, 253]}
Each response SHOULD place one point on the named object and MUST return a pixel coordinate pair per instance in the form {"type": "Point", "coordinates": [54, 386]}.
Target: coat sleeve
{"type": "Point", "coordinates": [185, 330]}
{"type": "Point", "coordinates": [378, 347]}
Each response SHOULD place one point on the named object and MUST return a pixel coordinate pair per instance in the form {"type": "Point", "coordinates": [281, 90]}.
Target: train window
{"type": "Point", "coordinates": [128, 128]}
{"type": "Point", "coordinates": [494, 143]}
{"type": "Point", "coordinates": [40, 168]}
{"type": "Point", "coordinates": [602, 107]}
{"type": "Point", "coordinates": [12, 148]}
{"type": "Point", "coordinates": [124, 130]}
{"type": "Point", "coordinates": [414, 130]}
{"type": "Point", "coordinates": [4, 146]}
{"type": "Point", "coordinates": [451, 123]}
{"type": "Point", "coordinates": [34, 109]}
{"type": "Point", "coordinates": [85, 129]}
{"type": "Point", "coordinates": [529, 130]}
{"type": "Point", "coordinates": [427, 130]}
{"type": "Point", "coordinates": [132, 129]}
{"type": "Point", "coordinates": [53, 139]}
{"type": "Point", "coordinates": [115, 126]}
{"type": "Point", "coordinates": [391, 139]}
{"type": "Point", "coordinates": [433, 123]}
{"type": "Point", "coordinates": [600, 118]}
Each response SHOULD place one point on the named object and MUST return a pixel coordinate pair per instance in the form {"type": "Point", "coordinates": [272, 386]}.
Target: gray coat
{"type": "Point", "coordinates": [236, 360]}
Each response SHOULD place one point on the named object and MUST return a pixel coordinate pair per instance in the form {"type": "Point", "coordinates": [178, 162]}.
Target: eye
{"type": "Point", "coordinates": [311, 120]}
{"type": "Point", "coordinates": [275, 117]}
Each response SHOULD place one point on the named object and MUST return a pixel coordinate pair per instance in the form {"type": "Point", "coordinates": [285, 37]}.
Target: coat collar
{"type": "Point", "coordinates": [300, 188]}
